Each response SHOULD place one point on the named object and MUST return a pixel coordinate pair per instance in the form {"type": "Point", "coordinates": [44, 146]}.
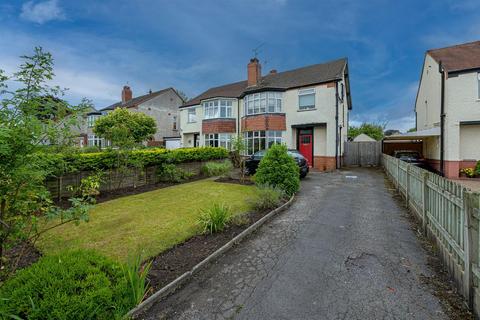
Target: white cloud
{"type": "Point", "coordinates": [42, 12]}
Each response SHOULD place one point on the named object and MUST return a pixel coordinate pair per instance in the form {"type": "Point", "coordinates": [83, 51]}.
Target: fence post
{"type": "Point", "coordinates": [424, 201]}
{"type": "Point", "coordinates": [471, 202]}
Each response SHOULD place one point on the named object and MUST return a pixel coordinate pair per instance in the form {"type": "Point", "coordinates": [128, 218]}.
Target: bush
{"type": "Point", "coordinates": [61, 163]}
{"type": "Point", "coordinates": [477, 168]}
{"type": "Point", "coordinates": [73, 285]}
{"type": "Point", "coordinates": [278, 169]}
{"type": "Point", "coordinates": [211, 169]}
{"type": "Point", "coordinates": [267, 197]}
{"type": "Point", "coordinates": [215, 218]}
{"type": "Point", "coordinates": [171, 173]}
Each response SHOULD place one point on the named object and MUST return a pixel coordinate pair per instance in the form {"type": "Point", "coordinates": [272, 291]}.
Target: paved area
{"type": "Point", "coordinates": [344, 250]}
{"type": "Point", "coordinates": [473, 184]}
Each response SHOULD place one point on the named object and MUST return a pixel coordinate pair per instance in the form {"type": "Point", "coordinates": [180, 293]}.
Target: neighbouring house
{"type": "Point", "coordinates": [162, 105]}
{"type": "Point", "coordinates": [362, 137]}
{"type": "Point", "coordinates": [306, 108]}
{"type": "Point", "coordinates": [447, 108]}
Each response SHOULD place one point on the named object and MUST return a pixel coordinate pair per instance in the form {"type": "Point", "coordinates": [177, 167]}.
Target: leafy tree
{"type": "Point", "coordinates": [124, 128]}
{"type": "Point", "coordinates": [30, 117]}
{"type": "Point", "coordinates": [182, 95]}
{"type": "Point", "coordinates": [278, 169]}
{"type": "Point", "coordinates": [371, 129]}
{"type": "Point", "coordinates": [412, 130]}
{"type": "Point", "coordinates": [236, 155]}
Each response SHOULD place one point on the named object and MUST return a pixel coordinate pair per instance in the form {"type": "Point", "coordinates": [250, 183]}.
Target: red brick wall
{"type": "Point", "coordinates": [452, 168]}
{"type": "Point", "coordinates": [219, 126]}
{"type": "Point", "coordinates": [264, 122]}
{"type": "Point", "coordinates": [323, 163]}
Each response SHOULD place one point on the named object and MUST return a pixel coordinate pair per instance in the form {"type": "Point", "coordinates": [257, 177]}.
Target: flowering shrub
{"type": "Point", "coordinates": [469, 172]}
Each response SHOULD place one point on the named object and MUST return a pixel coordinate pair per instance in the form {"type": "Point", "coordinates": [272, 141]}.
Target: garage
{"type": "Point", "coordinates": [172, 142]}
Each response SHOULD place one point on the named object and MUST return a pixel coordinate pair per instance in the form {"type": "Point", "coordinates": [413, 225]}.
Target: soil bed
{"type": "Point", "coordinates": [246, 182]}
{"type": "Point", "coordinates": [29, 255]}
{"type": "Point", "coordinates": [172, 263]}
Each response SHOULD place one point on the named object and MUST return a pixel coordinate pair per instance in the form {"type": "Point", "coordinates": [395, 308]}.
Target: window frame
{"type": "Point", "coordinates": [262, 140]}
{"type": "Point", "coordinates": [259, 103]}
{"type": "Point", "coordinates": [478, 85]}
{"type": "Point", "coordinates": [306, 92]}
{"type": "Point", "coordinates": [222, 139]}
{"type": "Point", "coordinates": [191, 119]}
{"type": "Point", "coordinates": [91, 118]}
{"type": "Point", "coordinates": [212, 109]}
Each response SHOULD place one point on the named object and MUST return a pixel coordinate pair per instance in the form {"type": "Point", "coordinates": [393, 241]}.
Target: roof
{"type": "Point", "coordinates": [362, 137]}
{"type": "Point", "coordinates": [138, 100]}
{"type": "Point", "coordinates": [314, 74]}
{"type": "Point", "coordinates": [432, 132]}
{"type": "Point", "coordinates": [459, 57]}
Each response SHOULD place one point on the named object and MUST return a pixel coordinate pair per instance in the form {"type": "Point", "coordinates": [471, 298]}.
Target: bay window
{"type": "Point", "coordinates": [261, 140]}
{"type": "Point", "coordinates": [94, 140]}
{"type": "Point", "coordinates": [219, 108]}
{"type": "Point", "coordinates": [219, 140]}
{"type": "Point", "coordinates": [263, 102]}
{"type": "Point", "coordinates": [306, 99]}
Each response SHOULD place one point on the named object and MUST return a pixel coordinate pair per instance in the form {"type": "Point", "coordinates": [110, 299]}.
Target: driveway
{"type": "Point", "coordinates": [344, 250]}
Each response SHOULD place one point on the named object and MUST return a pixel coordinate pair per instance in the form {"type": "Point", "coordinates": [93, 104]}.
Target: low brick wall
{"type": "Point", "coordinates": [115, 180]}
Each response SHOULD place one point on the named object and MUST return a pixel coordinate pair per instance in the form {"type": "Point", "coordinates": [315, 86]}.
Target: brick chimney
{"type": "Point", "coordinates": [254, 72]}
{"type": "Point", "coordinates": [126, 94]}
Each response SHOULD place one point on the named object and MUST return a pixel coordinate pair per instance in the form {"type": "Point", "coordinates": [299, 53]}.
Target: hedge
{"type": "Point", "coordinates": [74, 285]}
{"type": "Point", "coordinates": [60, 163]}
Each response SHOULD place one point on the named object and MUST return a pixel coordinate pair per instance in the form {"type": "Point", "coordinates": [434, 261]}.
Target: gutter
{"type": "Point", "coordinates": [442, 121]}
{"type": "Point", "coordinates": [336, 125]}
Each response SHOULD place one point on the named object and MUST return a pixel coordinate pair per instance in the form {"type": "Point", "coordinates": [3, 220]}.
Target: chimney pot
{"type": "Point", "coordinates": [254, 71]}
{"type": "Point", "coordinates": [273, 71]}
{"type": "Point", "coordinates": [126, 94]}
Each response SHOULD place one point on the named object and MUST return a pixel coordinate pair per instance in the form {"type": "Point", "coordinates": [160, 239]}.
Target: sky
{"type": "Point", "coordinates": [99, 46]}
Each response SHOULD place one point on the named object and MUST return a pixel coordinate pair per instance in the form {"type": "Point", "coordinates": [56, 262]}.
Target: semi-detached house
{"type": "Point", "coordinates": [306, 108]}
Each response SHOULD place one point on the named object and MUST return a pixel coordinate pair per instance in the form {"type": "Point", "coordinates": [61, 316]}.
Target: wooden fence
{"type": "Point", "coordinates": [114, 180]}
{"type": "Point", "coordinates": [450, 216]}
{"type": "Point", "coordinates": [363, 154]}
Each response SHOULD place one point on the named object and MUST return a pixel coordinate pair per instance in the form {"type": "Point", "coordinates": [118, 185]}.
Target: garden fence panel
{"type": "Point", "coordinates": [449, 215]}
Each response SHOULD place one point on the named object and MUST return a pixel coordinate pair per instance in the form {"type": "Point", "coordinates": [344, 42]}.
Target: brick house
{"type": "Point", "coordinates": [306, 108]}
{"type": "Point", "coordinates": [162, 105]}
{"type": "Point", "coordinates": [447, 108]}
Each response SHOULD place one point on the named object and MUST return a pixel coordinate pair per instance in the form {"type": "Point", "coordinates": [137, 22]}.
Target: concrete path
{"type": "Point", "coordinates": [344, 250]}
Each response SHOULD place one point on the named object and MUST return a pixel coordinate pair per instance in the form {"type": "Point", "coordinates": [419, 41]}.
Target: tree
{"type": "Point", "coordinates": [236, 155]}
{"type": "Point", "coordinates": [124, 128]}
{"type": "Point", "coordinates": [373, 130]}
{"type": "Point", "coordinates": [30, 116]}
{"type": "Point", "coordinates": [412, 130]}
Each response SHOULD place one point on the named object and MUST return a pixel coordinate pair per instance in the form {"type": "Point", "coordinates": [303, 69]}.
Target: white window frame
{"type": "Point", "coordinates": [192, 115]}
{"type": "Point", "coordinates": [263, 102]}
{"type": "Point", "coordinates": [218, 109]}
{"type": "Point", "coordinates": [478, 85]}
{"type": "Point", "coordinates": [261, 140]}
{"type": "Point", "coordinates": [91, 120]}
{"type": "Point", "coordinates": [219, 140]}
{"type": "Point", "coordinates": [306, 92]}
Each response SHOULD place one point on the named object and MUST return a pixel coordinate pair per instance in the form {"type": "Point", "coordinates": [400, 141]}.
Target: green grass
{"type": "Point", "coordinates": [150, 222]}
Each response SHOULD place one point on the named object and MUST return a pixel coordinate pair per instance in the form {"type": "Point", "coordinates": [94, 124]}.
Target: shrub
{"type": "Point", "coordinates": [477, 168]}
{"type": "Point", "coordinates": [171, 173]}
{"type": "Point", "coordinates": [278, 169]}
{"type": "Point", "coordinates": [215, 218]}
{"type": "Point", "coordinates": [211, 169]}
{"type": "Point", "coordinates": [267, 197]}
{"type": "Point", "coordinates": [469, 172]}
{"type": "Point", "coordinates": [73, 285]}
{"type": "Point", "coordinates": [136, 276]}
{"type": "Point", "coordinates": [63, 163]}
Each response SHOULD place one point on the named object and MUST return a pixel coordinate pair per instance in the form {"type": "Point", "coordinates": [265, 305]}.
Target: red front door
{"type": "Point", "coordinates": [305, 146]}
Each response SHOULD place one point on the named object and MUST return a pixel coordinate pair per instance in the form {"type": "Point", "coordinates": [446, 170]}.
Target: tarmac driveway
{"type": "Point", "coordinates": [344, 250]}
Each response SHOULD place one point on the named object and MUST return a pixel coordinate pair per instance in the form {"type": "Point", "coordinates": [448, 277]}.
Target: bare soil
{"type": "Point", "coordinates": [172, 263]}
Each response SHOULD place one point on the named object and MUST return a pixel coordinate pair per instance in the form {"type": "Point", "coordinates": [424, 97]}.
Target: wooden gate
{"type": "Point", "coordinates": [363, 154]}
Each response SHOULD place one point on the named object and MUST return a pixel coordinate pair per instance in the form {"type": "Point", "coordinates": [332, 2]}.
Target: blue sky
{"type": "Point", "coordinates": [99, 46]}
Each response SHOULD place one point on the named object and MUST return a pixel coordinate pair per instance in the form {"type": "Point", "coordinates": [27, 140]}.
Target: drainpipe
{"type": "Point", "coordinates": [336, 125]}
{"type": "Point", "coordinates": [442, 121]}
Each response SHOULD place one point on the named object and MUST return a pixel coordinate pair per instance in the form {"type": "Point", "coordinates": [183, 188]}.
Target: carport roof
{"type": "Point", "coordinates": [432, 132]}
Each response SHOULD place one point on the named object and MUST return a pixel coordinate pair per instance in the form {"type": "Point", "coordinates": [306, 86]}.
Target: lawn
{"type": "Point", "coordinates": [150, 222]}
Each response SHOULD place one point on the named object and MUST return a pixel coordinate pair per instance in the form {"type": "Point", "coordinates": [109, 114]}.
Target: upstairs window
{"type": "Point", "coordinates": [192, 115]}
{"type": "Point", "coordinates": [221, 108]}
{"type": "Point", "coordinates": [263, 102]}
{"type": "Point", "coordinates": [306, 99]}
{"type": "Point", "coordinates": [91, 120]}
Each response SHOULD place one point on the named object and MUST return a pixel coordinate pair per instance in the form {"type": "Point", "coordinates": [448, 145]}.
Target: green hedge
{"type": "Point", "coordinates": [74, 285]}
{"type": "Point", "coordinates": [73, 162]}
